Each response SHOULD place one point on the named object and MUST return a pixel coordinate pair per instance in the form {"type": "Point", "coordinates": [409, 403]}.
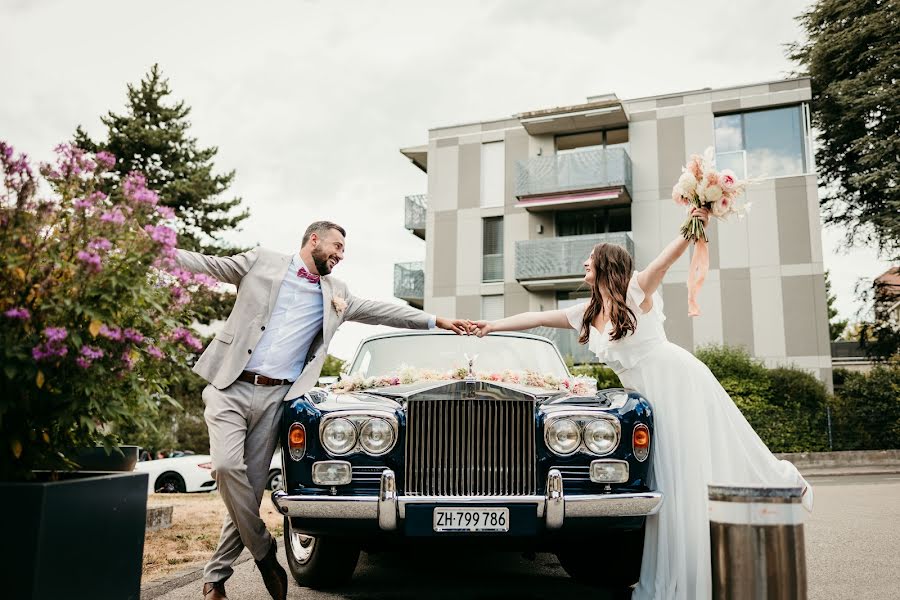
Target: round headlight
{"type": "Point", "coordinates": [339, 436]}
{"type": "Point", "coordinates": [376, 436]}
{"type": "Point", "coordinates": [600, 436]}
{"type": "Point", "coordinates": [563, 436]}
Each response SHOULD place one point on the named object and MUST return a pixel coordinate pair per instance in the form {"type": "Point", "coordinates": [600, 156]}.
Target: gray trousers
{"type": "Point", "coordinates": [243, 432]}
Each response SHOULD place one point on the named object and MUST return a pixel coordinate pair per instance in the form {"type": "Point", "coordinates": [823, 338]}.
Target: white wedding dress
{"type": "Point", "coordinates": [700, 437]}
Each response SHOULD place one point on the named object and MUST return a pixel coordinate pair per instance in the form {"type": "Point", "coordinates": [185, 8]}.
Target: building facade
{"type": "Point", "coordinates": [514, 206]}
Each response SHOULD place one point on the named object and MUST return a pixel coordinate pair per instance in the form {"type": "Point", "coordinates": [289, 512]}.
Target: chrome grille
{"type": "Point", "coordinates": [470, 447]}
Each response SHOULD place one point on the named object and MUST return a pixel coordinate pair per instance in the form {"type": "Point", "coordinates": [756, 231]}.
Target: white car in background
{"type": "Point", "coordinates": [274, 481]}
{"type": "Point", "coordinates": [189, 473]}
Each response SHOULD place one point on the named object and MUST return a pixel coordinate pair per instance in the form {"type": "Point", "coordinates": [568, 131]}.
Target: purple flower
{"type": "Point", "coordinates": [53, 346]}
{"type": "Point", "coordinates": [155, 352]}
{"type": "Point", "coordinates": [128, 360]}
{"type": "Point", "coordinates": [111, 333]}
{"type": "Point", "coordinates": [55, 334]}
{"type": "Point", "coordinates": [97, 196]}
{"type": "Point", "coordinates": [135, 189]}
{"type": "Point", "coordinates": [187, 338]}
{"type": "Point", "coordinates": [100, 244]}
{"type": "Point", "coordinates": [133, 335]}
{"type": "Point", "coordinates": [162, 235]}
{"type": "Point", "coordinates": [114, 216]}
{"type": "Point", "coordinates": [81, 203]}
{"type": "Point", "coordinates": [83, 362]}
{"type": "Point", "coordinates": [91, 352]}
{"type": "Point", "coordinates": [165, 212]}
{"type": "Point", "coordinates": [91, 260]}
{"type": "Point", "coordinates": [105, 159]}
{"type": "Point", "coordinates": [22, 314]}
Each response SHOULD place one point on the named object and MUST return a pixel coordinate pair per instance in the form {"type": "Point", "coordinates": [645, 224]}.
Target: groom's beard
{"type": "Point", "coordinates": [320, 258]}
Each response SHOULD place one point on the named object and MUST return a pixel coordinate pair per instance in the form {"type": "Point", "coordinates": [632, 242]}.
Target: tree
{"type": "Point", "coordinates": [836, 326]}
{"type": "Point", "coordinates": [332, 366]}
{"type": "Point", "coordinates": [152, 137]}
{"type": "Point", "coordinates": [852, 54]}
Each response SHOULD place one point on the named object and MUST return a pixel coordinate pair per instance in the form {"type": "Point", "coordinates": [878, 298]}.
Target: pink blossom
{"type": "Point", "coordinates": [695, 166]}
{"type": "Point", "coordinates": [53, 346]}
{"type": "Point", "coordinates": [91, 352]}
{"type": "Point", "coordinates": [83, 362]}
{"type": "Point", "coordinates": [712, 178]}
{"type": "Point", "coordinates": [678, 198]}
{"type": "Point", "coordinates": [111, 333]}
{"type": "Point", "coordinates": [55, 334]}
{"type": "Point", "coordinates": [128, 360]}
{"type": "Point", "coordinates": [82, 203]}
{"type": "Point", "coordinates": [100, 244]}
{"type": "Point", "coordinates": [22, 314]}
{"type": "Point", "coordinates": [91, 260]}
{"type": "Point", "coordinates": [187, 338]}
{"type": "Point", "coordinates": [727, 180]}
{"type": "Point", "coordinates": [135, 189]}
{"type": "Point", "coordinates": [114, 216]}
{"type": "Point", "coordinates": [105, 159]}
{"type": "Point", "coordinates": [155, 352]}
{"type": "Point", "coordinates": [97, 196]}
{"type": "Point", "coordinates": [165, 212]}
{"type": "Point", "coordinates": [162, 235]}
{"type": "Point", "coordinates": [133, 335]}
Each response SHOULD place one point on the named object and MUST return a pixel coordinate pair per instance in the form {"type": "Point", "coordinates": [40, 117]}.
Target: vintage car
{"type": "Point", "coordinates": [432, 438]}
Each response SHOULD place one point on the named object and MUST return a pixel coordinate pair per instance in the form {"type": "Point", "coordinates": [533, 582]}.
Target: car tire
{"type": "Point", "coordinates": [621, 565]}
{"type": "Point", "coordinates": [169, 482]}
{"type": "Point", "coordinates": [274, 482]}
{"type": "Point", "coordinates": [319, 562]}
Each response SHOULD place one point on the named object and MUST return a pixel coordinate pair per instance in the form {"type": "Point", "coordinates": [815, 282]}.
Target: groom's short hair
{"type": "Point", "coordinates": [320, 228]}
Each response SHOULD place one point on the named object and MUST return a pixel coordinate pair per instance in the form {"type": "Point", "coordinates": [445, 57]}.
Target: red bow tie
{"type": "Point", "coordinates": [307, 275]}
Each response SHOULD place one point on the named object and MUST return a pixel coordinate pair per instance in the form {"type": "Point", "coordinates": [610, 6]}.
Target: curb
{"type": "Point", "coordinates": [159, 587]}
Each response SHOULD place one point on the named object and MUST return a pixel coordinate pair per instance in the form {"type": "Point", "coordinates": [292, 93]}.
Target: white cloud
{"type": "Point", "coordinates": [310, 101]}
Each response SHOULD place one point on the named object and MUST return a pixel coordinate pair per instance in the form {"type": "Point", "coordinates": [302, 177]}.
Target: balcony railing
{"type": "Point", "coordinates": [416, 206]}
{"type": "Point", "coordinates": [574, 171]}
{"type": "Point", "coordinates": [562, 257]}
{"type": "Point", "coordinates": [409, 282]}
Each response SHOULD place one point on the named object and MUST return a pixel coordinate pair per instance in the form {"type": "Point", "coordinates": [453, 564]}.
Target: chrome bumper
{"type": "Point", "coordinates": [387, 507]}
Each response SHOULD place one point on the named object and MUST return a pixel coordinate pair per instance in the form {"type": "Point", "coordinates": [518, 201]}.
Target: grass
{"type": "Point", "coordinates": [196, 525]}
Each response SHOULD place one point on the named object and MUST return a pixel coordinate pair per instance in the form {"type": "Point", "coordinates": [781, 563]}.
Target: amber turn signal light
{"type": "Point", "coordinates": [297, 441]}
{"type": "Point", "coordinates": [640, 442]}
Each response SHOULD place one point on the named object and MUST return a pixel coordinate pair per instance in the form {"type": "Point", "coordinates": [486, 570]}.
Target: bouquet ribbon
{"type": "Point", "coordinates": [697, 275]}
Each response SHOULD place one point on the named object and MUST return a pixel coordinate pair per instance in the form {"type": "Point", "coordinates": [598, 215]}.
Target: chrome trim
{"type": "Point", "coordinates": [650, 437]}
{"type": "Point", "coordinates": [387, 501]}
{"type": "Point", "coordinates": [609, 461]}
{"type": "Point", "coordinates": [556, 501]}
{"type": "Point", "coordinates": [358, 418]}
{"type": "Point", "coordinates": [581, 418]}
{"type": "Point", "coordinates": [387, 507]}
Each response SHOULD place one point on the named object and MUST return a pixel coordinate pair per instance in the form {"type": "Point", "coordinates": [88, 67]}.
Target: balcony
{"type": "Point", "coordinates": [574, 180]}
{"type": "Point", "coordinates": [415, 207]}
{"type": "Point", "coordinates": [558, 263]}
{"type": "Point", "coordinates": [409, 282]}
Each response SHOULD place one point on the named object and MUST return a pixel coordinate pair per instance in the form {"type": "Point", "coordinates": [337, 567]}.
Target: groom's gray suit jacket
{"type": "Point", "coordinates": [258, 275]}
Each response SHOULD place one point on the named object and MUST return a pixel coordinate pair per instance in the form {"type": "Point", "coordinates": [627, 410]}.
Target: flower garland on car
{"type": "Point", "coordinates": [408, 375]}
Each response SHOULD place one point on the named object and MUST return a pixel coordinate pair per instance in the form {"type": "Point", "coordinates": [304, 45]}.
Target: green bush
{"type": "Point", "coordinates": [866, 410]}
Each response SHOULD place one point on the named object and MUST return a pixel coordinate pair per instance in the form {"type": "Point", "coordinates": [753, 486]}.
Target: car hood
{"type": "Point", "coordinates": [396, 396]}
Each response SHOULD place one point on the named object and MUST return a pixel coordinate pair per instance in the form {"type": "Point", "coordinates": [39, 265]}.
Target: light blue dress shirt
{"type": "Point", "coordinates": [294, 324]}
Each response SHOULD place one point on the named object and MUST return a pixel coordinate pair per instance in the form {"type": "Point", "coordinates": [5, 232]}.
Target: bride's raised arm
{"type": "Point", "coordinates": [651, 277]}
{"type": "Point", "coordinates": [526, 320]}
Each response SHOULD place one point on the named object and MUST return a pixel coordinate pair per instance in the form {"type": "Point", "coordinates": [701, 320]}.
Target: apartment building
{"type": "Point", "coordinates": [513, 207]}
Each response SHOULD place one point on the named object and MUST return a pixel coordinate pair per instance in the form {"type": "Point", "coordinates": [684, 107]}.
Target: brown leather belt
{"type": "Point", "coordinates": [260, 379]}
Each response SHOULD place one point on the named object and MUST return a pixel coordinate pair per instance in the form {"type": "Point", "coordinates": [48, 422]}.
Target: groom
{"type": "Point", "coordinates": [272, 349]}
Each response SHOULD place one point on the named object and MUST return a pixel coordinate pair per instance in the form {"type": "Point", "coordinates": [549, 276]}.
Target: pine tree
{"type": "Point", "coordinates": [852, 54]}
{"type": "Point", "coordinates": [836, 327]}
{"type": "Point", "coordinates": [152, 136]}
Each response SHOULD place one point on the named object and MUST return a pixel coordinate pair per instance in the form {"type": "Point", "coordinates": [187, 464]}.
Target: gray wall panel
{"type": "Point", "coordinates": [800, 315]}
{"type": "Point", "coordinates": [737, 312]}
{"type": "Point", "coordinates": [469, 175]}
{"type": "Point", "coordinates": [670, 151]}
{"type": "Point", "coordinates": [792, 205]}
{"type": "Point", "coordinates": [444, 276]}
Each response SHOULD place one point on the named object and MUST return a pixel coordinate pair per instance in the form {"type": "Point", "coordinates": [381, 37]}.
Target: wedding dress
{"type": "Point", "coordinates": [700, 437]}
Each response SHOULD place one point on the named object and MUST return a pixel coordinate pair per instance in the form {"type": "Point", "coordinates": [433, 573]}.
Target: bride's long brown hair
{"type": "Point", "coordinates": [612, 266]}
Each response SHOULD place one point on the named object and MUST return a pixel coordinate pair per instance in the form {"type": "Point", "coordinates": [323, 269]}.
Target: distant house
{"type": "Point", "coordinates": [887, 296]}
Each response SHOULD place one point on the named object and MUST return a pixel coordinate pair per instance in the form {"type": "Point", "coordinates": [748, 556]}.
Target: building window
{"type": "Point", "coordinates": [593, 220]}
{"type": "Point", "coordinates": [492, 307]}
{"type": "Point", "coordinates": [492, 246]}
{"type": "Point", "coordinates": [493, 174]}
{"type": "Point", "coordinates": [763, 143]}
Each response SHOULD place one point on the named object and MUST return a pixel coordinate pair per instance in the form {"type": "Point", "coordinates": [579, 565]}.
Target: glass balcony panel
{"type": "Point", "coordinates": [409, 282]}
{"type": "Point", "coordinates": [561, 257]}
{"type": "Point", "coordinates": [415, 209]}
{"type": "Point", "coordinates": [574, 171]}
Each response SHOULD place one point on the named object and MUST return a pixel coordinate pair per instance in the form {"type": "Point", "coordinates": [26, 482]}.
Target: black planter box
{"type": "Point", "coordinates": [80, 537]}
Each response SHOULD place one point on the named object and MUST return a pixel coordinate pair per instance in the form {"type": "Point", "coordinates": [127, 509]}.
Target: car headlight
{"type": "Point", "coordinates": [376, 436]}
{"type": "Point", "coordinates": [600, 436]}
{"type": "Point", "coordinates": [339, 436]}
{"type": "Point", "coordinates": [563, 436]}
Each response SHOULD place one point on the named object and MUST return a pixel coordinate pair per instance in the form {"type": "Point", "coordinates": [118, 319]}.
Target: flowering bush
{"type": "Point", "coordinates": [92, 307]}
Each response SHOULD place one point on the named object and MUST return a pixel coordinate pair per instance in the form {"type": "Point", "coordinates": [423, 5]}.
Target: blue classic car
{"type": "Point", "coordinates": [432, 438]}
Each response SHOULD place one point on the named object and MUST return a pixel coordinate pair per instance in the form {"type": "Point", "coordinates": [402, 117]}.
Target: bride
{"type": "Point", "coordinates": [701, 436]}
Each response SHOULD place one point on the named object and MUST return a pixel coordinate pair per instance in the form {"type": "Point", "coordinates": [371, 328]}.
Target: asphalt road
{"type": "Point", "coordinates": [852, 541]}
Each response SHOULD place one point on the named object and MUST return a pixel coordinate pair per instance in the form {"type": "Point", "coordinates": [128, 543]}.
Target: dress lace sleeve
{"type": "Point", "coordinates": [575, 314]}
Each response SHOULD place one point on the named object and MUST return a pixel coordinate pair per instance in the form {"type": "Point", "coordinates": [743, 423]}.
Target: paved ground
{"type": "Point", "coordinates": [853, 541]}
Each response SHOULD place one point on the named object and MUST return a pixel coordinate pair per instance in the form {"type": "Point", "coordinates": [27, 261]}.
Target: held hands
{"type": "Point", "coordinates": [465, 326]}
{"type": "Point", "coordinates": [482, 328]}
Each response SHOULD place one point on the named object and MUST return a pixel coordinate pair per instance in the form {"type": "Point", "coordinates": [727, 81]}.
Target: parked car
{"type": "Point", "coordinates": [502, 449]}
{"type": "Point", "coordinates": [186, 473]}
{"type": "Point", "coordinates": [274, 481]}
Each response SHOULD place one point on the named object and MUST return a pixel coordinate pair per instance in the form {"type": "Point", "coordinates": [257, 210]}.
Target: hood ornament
{"type": "Point", "coordinates": [470, 360]}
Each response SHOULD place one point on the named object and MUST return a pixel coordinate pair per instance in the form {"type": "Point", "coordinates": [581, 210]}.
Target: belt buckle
{"type": "Point", "coordinates": [255, 379]}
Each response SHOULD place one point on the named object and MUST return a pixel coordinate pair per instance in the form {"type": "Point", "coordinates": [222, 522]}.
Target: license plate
{"type": "Point", "coordinates": [471, 519]}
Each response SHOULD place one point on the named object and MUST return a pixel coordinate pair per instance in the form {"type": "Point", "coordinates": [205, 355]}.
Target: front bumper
{"type": "Point", "coordinates": [387, 507]}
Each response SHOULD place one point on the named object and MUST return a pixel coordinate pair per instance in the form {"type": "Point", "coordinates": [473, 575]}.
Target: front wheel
{"type": "Point", "coordinates": [318, 562]}
{"type": "Point", "coordinates": [621, 564]}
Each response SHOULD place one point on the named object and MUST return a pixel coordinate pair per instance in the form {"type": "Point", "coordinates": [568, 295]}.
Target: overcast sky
{"type": "Point", "coordinates": [310, 101]}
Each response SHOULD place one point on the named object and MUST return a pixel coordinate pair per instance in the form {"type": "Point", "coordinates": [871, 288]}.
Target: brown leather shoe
{"type": "Point", "coordinates": [214, 590]}
{"type": "Point", "coordinates": [273, 574]}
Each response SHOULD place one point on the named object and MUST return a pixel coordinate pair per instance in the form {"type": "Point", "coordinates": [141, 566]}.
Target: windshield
{"type": "Point", "coordinates": [495, 354]}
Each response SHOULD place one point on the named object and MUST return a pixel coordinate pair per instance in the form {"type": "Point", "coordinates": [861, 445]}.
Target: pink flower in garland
{"type": "Point", "coordinates": [91, 260]}
{"type": "Point", "coordinates": [22, 314]}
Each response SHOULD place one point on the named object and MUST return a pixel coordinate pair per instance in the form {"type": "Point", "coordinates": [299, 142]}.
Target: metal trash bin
{"type": "Point", "coordinates": [757, 543]}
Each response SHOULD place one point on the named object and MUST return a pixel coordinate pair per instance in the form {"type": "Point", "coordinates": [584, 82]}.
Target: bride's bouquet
{"type": "Point", "coordinates": [702, 186]}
